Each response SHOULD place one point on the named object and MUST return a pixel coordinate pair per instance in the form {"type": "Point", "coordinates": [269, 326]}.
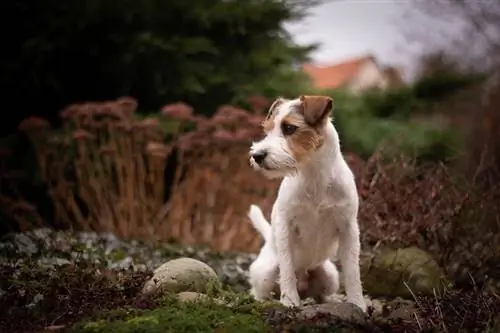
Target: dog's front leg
{"type": "Point", "coordinates": [349, 251]}
{"type": "Point", "coordinates": [287, 276]}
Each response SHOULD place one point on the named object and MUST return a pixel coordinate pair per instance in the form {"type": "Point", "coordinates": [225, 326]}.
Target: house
{"type": "Point", "coordinates": [355, 75]}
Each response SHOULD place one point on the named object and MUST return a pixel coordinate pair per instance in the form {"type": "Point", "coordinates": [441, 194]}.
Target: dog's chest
{"type": "Point", "coordinates": [314, 230]}
{"type": "Point", "coordinates": [313, 225]}
{"type": "Point", "coordinates": [314, 212]}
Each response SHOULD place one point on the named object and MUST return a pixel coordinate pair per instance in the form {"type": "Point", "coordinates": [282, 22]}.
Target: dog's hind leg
{"type": "Point", "coordinates": [323, 281]}
{"type": "Point", "coordinates": [263, 276]}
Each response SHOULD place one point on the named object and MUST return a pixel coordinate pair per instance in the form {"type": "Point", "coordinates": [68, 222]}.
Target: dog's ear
{"type": "Point", "coordinates": [273, 106]}
{"type": "Point", "coordinates": [316, 109]}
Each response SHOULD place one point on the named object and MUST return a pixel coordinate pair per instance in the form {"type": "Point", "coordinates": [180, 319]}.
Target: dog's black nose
{"type": "Point", "coordinates": [259, 156]}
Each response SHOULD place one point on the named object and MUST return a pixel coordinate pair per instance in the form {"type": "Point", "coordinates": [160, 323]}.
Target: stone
{"type": "Point", "coordinates": [25, 244]}
{"type": "Point", "coordinates": [178, 275]}
{"type": "Point", "coordinates": [401, 273]}
{"type": "Point", "coordinates": [344, 311]}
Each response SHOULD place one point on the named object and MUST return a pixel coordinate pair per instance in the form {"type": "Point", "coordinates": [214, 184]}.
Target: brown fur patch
{"type": "Point", "coordinates": [306, 139]}
{"type": "Point", "coordinates": [316, 109]}
{"type": "Point", "coordinates": [268, 123]}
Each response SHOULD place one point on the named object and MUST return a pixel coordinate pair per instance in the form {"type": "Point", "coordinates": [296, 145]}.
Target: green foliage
{"type": "Point", "coordinates": [156, 51]}
{"type": "Point", "coordinates": [363, 135]}
{"type": "Point", "coordinates": [375, 118]}
{"type": "Point", "coordinates": [442, 85]}
{"type": "Point", "coordinates": [399, 103]}
{"type": "Point", "coordinates": [174, 316]}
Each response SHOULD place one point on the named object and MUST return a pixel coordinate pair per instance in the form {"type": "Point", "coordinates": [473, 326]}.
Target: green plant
{"type": "Point", "coordinates": [143, 49]}
{"type": "Point", "coordinates": [441, 85]}
{"type": "Point", "coordinates": [399, 103]}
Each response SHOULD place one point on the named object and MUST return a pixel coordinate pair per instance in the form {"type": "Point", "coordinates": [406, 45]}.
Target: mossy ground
{"type": "Point", "coordinates": [171, 315]}
{"type": "Point", "coordinates": [86, 295]}
{"type": "Point", "coordinates": [222, 312]}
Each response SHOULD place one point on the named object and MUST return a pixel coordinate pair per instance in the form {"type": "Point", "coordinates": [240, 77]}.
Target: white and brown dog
{"type": "Point", "coordinates": [315, 214]}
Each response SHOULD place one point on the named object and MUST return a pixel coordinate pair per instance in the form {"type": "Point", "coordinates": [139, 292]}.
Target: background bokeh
{"type": "Point", "coordinates": [135, 118]}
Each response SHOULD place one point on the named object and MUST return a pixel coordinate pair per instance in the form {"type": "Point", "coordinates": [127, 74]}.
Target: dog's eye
{"type": "Point", "coordinates": [288, 129]}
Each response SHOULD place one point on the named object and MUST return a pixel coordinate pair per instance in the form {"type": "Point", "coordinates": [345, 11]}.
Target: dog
{"type": "Point", "coordinates": [317, 283]}
{"type": "Point", "coordinates": [315, 213]}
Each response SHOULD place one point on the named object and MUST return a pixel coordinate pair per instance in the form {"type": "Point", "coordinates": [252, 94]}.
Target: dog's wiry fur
{"type": "Point", "coordinates": [315, 213]}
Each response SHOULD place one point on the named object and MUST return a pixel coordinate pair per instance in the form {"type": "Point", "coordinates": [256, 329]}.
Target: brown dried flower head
{"type": "Point", "coordinates": [158, 149]}
{"type": "Point", "coordinates": [255, 120]}
{"type": "Point", "coordinates": [82, 135]}
{"type": "Point", "coordinates": [147, 123]}
{"type": "Point", "coordinates": [33, 123]}
{"type": "Point", "coordinates": [70, 111]}
{"type": "Point", "coordinates": [244, 134]}
{"type": "Point", "coordinates": [109, 108]}
{"type": "Point", "coordinates": [259, 103]}
{"type": "Point", "coordinates": [206, 126]}
{"type": "Point", "coordinates": [222, 119]}
{"type": "Point", "coordinates": [224, 136]}
{"type": "Point", "coordinates": [178, 110]}
{"type": "Point", "coordinates": [128, 105]}
{"type": "Point", "coordinates": [89, 109]}
{"type": "Point", "coordinates": [233, 112]}
{"type": "Point", "coordinates": [124, 126]}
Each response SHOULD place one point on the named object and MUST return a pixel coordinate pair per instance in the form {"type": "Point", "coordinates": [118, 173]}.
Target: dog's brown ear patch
{"type": "Point", "coordinates": [316, 108]}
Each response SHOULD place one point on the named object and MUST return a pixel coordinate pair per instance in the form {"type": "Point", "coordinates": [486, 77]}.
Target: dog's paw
{"type": "Point", "coordinates": [361, 303]}
{"type": "Point", "coordinates": [290, 300]}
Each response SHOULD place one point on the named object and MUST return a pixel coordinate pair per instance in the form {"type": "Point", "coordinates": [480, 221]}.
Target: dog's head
{"type": "Point", "coordinates": [295, 130]}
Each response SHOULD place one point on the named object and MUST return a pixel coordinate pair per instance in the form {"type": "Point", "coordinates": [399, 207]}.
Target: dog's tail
{"type": "Point", "coordinates": [259, 221]}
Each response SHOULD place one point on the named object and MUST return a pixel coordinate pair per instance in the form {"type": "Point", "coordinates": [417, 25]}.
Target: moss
{"type": "Point", "coordinates": [394, 271]}
{"type": "Point", "coordinates": [117, 254]}
{"type": "Point", "coordinates": [175, 316]}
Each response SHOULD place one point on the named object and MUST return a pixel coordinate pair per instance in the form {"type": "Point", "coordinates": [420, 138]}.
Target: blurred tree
{"type": "Point", "coordinates": [441, 75]}
{"type": "Point", "coordinates": [203, 52]}
{"type": "Point", "coordinates": [436, 62]}
{"type": "Point", "coordinates": [476, 43]}
{"type": "Point", "coordinates": [469, 30]}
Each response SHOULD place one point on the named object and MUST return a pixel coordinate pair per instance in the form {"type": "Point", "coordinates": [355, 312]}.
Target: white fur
{"type": "Point", "coordinates": [314, 215]}
{"type": "Point", "coordinates": [279, 162]}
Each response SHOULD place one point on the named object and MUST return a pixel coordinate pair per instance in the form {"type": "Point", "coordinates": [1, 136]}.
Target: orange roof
{"type": "Point", "coordinates": [334, 76]}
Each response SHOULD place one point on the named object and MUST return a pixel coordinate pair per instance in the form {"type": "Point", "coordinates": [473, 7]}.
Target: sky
{"type": "Point", "coordinates": [351, 28]}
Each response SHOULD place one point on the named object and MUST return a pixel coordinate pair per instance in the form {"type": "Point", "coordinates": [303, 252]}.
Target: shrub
{"type": "Point", "coordinates": [434, 208]}
{"type": "Point", "coordinates": [391, 104]}
{"type": "Point", "coordinates": [422, 139]}
{"type": "Point", "coordinates": [105, 171]}
{"type": "Point", "coordinates": [443, 84]}
{"type": "Point", "coordinates": [377, 118]}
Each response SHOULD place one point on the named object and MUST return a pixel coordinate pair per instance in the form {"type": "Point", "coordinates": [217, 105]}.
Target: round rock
{"type": "Point", "coordinates": [344, 311]}
{"type": "Point", "coordinates": [402, 273]}
{"type": "Point", "coordinates": [179, 275]}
